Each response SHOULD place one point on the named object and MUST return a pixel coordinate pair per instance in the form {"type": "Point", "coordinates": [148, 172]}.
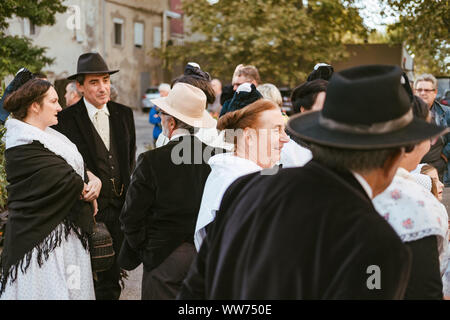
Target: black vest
{"type": "Point", "coordinates": [112, 193]}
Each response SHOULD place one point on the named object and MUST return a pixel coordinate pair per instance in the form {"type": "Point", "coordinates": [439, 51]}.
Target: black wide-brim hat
{"type": "Point", "coordinates": [91, 63]}
{"type": "Point", "coordinates": [366, 107]}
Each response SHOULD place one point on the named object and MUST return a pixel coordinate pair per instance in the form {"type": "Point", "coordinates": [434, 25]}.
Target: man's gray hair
{"type": "Point", "coordinates": [426, 77]}
{"type": "Point", "coordinates": [113, 92]}
{"type": "Point", "coordinates": [182, 125]}
{"type": "Point", "coordinates": [271, 92]}
{"type": "Point", "coordinates": [361, 161]}
{"type": "Point", "coordinates": [72, 86]}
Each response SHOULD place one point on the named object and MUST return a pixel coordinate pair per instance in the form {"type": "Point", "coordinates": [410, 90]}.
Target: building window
{"type": "Point", "coordinates": [29, 27]}
{"type": "Point", "coordinates": [118, 31]}
{"type": "Point", "coordinates": [157, 37]}
{"type": "Point", "coordinates": [138, 34]}
{"type": "Point", "coordinates": [32, 28]}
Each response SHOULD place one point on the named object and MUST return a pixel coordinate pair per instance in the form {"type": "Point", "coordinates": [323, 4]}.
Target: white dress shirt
{"type": "Point", "coordinates": [92, 110]}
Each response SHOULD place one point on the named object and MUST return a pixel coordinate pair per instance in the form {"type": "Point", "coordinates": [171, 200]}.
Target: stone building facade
{"type": "Point", "coordinates": [123, 31]}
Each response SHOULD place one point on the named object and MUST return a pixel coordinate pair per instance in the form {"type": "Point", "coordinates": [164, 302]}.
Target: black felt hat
{"type": "Point", "coordinates": [91, 63]}
{"type": "Point", "coordinates": [366, 107]}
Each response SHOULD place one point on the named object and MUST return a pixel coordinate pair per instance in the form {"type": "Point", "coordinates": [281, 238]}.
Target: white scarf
{"type": "Point", "coordinates": [225, 169]}
{"type": "Point", "coordinates": [20, 133]}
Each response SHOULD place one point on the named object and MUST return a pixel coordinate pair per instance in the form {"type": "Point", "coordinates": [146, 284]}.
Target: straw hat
{"type": "Point", "coordinates": [188, 104]}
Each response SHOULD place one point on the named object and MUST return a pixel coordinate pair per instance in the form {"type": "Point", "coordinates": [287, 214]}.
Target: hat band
{"type": "Point", "coordinates": [376, 128]}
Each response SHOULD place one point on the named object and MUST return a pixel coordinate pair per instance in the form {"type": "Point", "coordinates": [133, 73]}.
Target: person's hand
{"type": "Point", "coordinates": [92, 189]}
{"type": "Point", "coordinates": [83, 192]}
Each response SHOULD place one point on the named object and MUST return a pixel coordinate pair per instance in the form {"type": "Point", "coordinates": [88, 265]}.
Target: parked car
{"type": "Point", "coordinates": [445, 99]}
{"type": "Point", "coordinates": [443, 86]}
{"type": "Point", "coordinates": [286, 95]}
{"type": "Point", "coordinates": [150, 93]}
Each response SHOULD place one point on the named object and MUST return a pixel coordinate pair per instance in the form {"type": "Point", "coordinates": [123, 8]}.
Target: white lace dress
{"type": "Point", "coordinates": [67, 273]}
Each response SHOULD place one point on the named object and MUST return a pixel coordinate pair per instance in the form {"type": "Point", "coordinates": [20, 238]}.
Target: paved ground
{"type": "Point", "coordinates": [144, 132]}
{"type": "Point", "coordinates": [132, 290]}
{"type": "Point", "coordinates": [144, 141]}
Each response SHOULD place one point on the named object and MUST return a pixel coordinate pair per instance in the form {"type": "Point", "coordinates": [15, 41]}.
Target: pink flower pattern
{"type": "Point", "coordinates": [386, 216]}
{"type": "Point", "coordinates": [421, 203]}
{"type": "Point", "coordinates": [396, 194]}
{"type": "Point", "coordinates": [408, 223]}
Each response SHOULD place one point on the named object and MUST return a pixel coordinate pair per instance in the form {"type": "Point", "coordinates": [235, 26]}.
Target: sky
{"type": "Point", "coordinates": [370, 12]}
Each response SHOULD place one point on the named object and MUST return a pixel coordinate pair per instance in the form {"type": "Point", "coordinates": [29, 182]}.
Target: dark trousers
{"type": "Point", "coordinates": [164, 282]}
{"type": "Point", "coordinates": [107, 286]}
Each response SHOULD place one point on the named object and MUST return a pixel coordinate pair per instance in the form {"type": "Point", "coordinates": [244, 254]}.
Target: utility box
{"type": "Point", "coordinates": [361, 54]}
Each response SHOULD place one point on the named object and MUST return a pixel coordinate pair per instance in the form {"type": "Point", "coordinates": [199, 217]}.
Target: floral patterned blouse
{"type": "Point", "coordinates": [414, 213]}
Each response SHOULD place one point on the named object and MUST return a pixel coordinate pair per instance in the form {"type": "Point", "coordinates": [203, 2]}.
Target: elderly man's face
{"type": "Point", "coordinates": [71, 96]}
{"type": "Point", "coordinates": [426, 91]}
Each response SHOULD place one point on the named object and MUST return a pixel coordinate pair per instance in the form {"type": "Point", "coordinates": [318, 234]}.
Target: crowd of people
{"type": "Point", "coordinates": [341, 200]}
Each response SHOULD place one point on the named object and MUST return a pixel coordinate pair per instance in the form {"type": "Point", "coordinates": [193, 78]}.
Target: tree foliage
{"type": "Point", "coordinates": [16, 52]}
{"type": "Point", "coordinates": [283, 38]}
{"type": "Point", "coordinates": [425, 28]}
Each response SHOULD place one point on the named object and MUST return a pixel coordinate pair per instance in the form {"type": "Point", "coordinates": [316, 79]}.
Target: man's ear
{"type": "Point", "coordinates": [80, 87]}
{"type": "Point", "coordinates": [392, 163]}
{"type": "Point", "coordinates": [170, 126]}
{"type": "Point", "coordinates": [250, 135]}
{"type": "Point", "coordinates": [172, 123]}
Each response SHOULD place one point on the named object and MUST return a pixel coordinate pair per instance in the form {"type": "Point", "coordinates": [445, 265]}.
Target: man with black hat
{"type": "Point", "coordinates": [312, 232]}
{"type": "Point", "coordinates": [104, 133]}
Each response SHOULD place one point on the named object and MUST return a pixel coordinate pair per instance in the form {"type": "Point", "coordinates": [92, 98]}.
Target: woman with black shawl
{"type": "Point", "coordinates": [46, 252]}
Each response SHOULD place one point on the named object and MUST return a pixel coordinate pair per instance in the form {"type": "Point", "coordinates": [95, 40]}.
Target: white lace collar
{"type": "Point", "coordinates": [20, 133]}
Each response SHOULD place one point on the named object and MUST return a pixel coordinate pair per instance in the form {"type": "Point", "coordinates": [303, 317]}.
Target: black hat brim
{"type": "Point", "coordinates": [73, 77]}
{"type": "Point", "coordinates": [306, 127]}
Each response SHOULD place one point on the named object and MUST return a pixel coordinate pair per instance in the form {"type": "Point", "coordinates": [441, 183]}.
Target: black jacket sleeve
{"type": "Point", "coordinates": [425, 280]}
{"type": "Point", "coordinates": [138, 202]}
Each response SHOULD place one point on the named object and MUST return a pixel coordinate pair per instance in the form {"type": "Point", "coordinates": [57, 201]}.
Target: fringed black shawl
{"type": "Point", "coordinates": [43, 192]}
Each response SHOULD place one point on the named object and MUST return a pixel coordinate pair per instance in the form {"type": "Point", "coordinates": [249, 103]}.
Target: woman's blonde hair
{"type": "Point", "coordinates": [271, 92]}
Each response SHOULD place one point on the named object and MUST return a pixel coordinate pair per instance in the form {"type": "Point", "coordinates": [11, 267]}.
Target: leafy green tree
{"type": "Point", "coordinates": [16, 52]}
{"type": "Point", "coordinates": [283, 38]}
{"type": "Point", "coordinates": [425, 28]}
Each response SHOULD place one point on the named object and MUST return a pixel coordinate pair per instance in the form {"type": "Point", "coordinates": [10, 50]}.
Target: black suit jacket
{"type": "Point", "coordinates": [305, 233]}
{"type": "Point", "coordinates": [75, 124]}
{"type": "Point", "coordinates": [163, 200]}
